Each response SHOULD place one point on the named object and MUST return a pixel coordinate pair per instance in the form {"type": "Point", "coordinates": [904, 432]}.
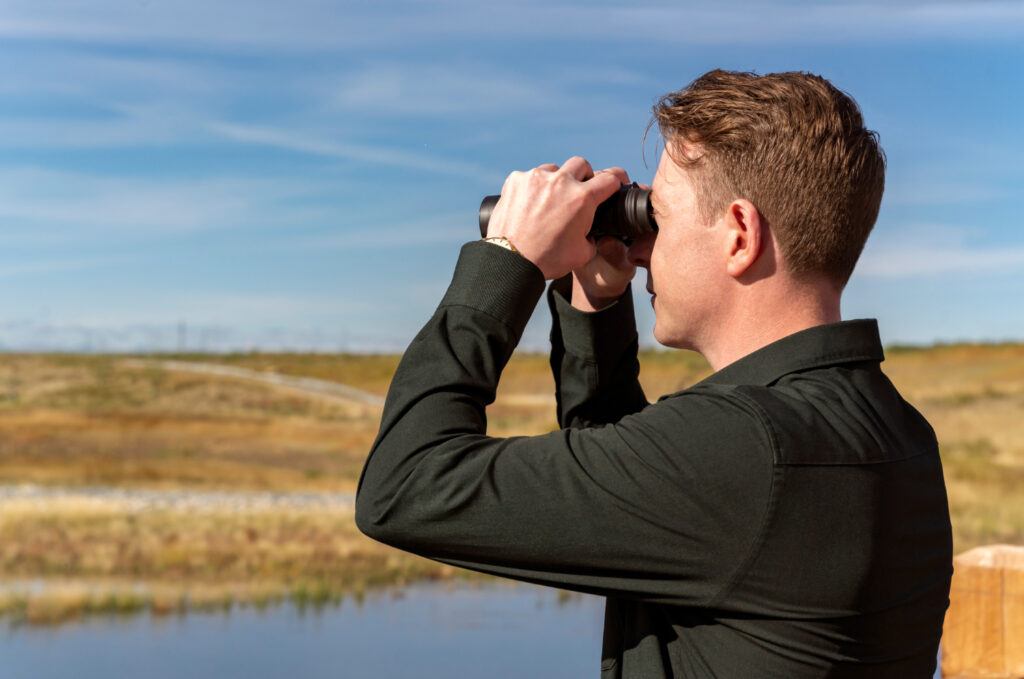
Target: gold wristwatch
{"type": "Point", "coordinates": [501, 241]}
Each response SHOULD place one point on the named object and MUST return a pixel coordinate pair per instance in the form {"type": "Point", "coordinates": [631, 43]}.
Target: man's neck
{"type": "Point", "coordinates": [758, 320]}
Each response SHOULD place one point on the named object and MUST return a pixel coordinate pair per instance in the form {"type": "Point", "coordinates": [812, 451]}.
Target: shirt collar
{"type": "Point", "coordinates": [820, 346]}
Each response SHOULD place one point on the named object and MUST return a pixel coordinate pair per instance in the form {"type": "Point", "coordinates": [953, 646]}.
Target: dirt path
{"type": "Point", "coordinates": [28, 497]}
{"type": "Point", "coordinates": [307, 386]}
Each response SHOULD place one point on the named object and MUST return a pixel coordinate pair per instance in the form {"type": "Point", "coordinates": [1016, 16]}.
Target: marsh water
{"type": "Point", "coordinates": [428, 631]}
{"type": "Point", "coordinates": [425, 631]}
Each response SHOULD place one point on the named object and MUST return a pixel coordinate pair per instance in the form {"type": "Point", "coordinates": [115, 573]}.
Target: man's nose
{"type": "Point", "coordinates": [639, 252]}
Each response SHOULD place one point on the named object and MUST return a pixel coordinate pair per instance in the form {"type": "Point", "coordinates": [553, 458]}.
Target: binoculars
{"type": "Point", "coordinates": [627, 215]}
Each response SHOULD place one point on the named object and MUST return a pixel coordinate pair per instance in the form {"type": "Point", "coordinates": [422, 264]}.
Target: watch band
{"type": "Point", "coordinates": [501, 241]}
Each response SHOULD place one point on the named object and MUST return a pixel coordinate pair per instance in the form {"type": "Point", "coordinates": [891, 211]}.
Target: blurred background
{"type": "Point", "coordinates": [221, 223]}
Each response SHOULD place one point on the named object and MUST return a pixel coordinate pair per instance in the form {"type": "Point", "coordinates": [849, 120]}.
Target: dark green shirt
{"type": "Point", "coordinates": [786, 517]}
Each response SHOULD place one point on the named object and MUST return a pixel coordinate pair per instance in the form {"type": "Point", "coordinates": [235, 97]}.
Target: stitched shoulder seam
{"type": "Point", "coordinates": [769, 511]}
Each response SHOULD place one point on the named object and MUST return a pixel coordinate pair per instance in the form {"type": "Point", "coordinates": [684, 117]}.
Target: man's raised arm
{"type": "Point", "coordinates": [594, 359]}
{"type": "Point", "coordinates": [621, 510]}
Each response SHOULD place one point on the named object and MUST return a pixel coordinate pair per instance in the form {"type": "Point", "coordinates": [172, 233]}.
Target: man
{"type": "Point", "coordinates": [787, 516]}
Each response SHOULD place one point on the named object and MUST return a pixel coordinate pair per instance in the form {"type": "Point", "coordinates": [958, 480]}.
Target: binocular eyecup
{"type": "Point", "coordinates": [627, 215]}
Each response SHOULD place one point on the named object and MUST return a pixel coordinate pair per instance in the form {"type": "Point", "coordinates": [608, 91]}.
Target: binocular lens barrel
{"type": "Point", "coordinates": [627, 215]}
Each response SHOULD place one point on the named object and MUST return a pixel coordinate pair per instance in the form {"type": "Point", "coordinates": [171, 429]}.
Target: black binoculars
{"type": "Point", "coordinates": [627, 215]}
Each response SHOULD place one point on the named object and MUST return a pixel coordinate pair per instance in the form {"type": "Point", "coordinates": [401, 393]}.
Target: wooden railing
{"type": "Point", "coordinates": [984, 631]}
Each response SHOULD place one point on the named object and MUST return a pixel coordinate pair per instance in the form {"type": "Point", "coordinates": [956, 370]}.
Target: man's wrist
{"type": "Point", "coordinates": [502, 242]}
{"type": "Point", "coordinates": [497, 282]}
{"type": "Point", "coordinates": [597, 335]}
{"type": "Point", "coordinates": [584, 300]}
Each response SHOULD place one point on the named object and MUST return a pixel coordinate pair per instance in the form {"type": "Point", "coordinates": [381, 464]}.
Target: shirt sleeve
{"type": "Point", "coordinates": [663, 505]}
{"type": "Point", "coordinates": [594, 359]}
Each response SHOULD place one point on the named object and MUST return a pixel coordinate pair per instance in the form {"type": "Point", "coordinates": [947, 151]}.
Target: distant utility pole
{"type": "Point", "coordinates": [181, 337]}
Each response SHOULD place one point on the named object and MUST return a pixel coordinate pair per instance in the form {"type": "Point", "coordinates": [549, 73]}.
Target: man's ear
{"type": "Point", "coordinates": [744, 236]}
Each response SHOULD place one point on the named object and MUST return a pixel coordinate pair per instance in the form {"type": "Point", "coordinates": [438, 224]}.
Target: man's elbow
{"type": "Point", "coordinates": [374, 520]}
{"type": "Point", "coordinates": [368, 516]}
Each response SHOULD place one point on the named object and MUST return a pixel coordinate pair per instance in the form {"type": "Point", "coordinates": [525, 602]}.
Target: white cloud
{"type": "Point", "coordinates": [927, 261]}
{"type": "Point", "coordinates": [218, 307]}
{"type": "Point", "coordinates": [924, 250]}
{"type": "Point", "coordinates": [213, 320]}
{"type": "Point", "coordinates": [168, 336]}
{"type": "Point", "coordinates": [44, 134]}
{"type": "Point", "coordinates": [939, 193]}
{"type": "Point", "coordinates": [212, 306]}
{"type": "Point", "coordinates": [454, 228]}
{"type": "Point", "coordinates": [55, 265]}
{"type": "Point", "coordinates": [377, 155]}
{"type": "Point", "coordinates": [333, 25]}
{"type": "Point", "coordinates": [412, 90]}
{"type": "Point", "coordinates": [37, 203]}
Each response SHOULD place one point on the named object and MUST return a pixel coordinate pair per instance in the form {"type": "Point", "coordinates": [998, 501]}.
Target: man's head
{"type": "Point", "coordinates": [795, 147]}
{"type": "Point", "coordinates": [765, 196]}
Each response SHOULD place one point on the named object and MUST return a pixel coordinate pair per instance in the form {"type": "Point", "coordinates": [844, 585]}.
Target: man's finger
{"type": "Point", "coordinates": [548, 167]}
{"type": "Point", "coordinates": [618, 172]}
{"type": "Point", "coordinates": [578, 168]}
{"type": "Point", "coordinates": [603, 185]}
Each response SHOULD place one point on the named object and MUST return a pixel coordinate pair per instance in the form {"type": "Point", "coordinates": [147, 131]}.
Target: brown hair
{"type": "Point", "coordinates": [794, 146]}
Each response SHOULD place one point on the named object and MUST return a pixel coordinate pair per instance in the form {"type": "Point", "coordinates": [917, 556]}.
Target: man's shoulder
{"type": "Point", "coordinates": [839, 414]}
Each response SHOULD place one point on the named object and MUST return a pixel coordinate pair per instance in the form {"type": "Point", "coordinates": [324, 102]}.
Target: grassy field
{"type": "Point", "coordinates": [78, 421]}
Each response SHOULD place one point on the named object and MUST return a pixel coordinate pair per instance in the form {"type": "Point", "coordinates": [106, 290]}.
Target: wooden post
{"type": "Point", "coordinates": [983, 634]}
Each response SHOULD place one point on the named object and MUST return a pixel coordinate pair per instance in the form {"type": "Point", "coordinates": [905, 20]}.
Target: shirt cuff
{"type": "Point", "coordinates": [592, 335]}
{"type": "Point", "coordinates": [496, 281]}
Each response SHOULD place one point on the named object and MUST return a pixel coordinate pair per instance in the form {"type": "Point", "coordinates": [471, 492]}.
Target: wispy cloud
{"type": "Point", "coordinates": [939, 193]}
{"type": "Point", "coordinates": [38, 203]}
{"type": "Point", "coordinates": [937, 261]}
{"type": "Point", "coordinates": [403, 90]}
{"type": "Point", "coordinates": [931, 250]}
{"type": "Point", "coordinates": [211, 320]}
{"type": "Point", "coordinates": [285, 139]}
{"type": "Point", "coordinates": [228, 308]}
{"type": "Point", "coordinates": [176, 335]}
{"type": "Point", "coordinates": [454, 228]}
{"type": "Point", "coordinates": [56, 265]}
{"type": "Point", "coordinates": [305, 25]}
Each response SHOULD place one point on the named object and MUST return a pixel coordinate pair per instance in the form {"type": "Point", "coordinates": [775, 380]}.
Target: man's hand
{"type": "Point", "coordinates": [547, 212]}
{"type": "Point", "coordinates": [603, 279]}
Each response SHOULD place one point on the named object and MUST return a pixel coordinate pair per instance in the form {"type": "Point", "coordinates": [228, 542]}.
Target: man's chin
{"type": "Point", "coordinates": [669, 339]}
{"type": "Point", "coordinates": [661, 337]}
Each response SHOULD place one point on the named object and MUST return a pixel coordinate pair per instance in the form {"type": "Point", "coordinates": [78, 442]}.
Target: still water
{"type": "Point", "coordinates": [427, 631]}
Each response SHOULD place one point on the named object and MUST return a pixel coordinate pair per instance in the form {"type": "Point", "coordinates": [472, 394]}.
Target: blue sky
{"type": "Point", "coordinates": [301, 175]}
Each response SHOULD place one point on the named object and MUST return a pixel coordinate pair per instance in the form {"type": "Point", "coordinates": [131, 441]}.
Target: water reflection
{"type": "Point", "coordinates": [426, 631]}
{"type": "Point", "coordinates": [494, 630]}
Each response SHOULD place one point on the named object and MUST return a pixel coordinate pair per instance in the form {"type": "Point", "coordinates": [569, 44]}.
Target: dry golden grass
{"type": "Point", "coordinates": [974, 398]}
{"type": "Point", "coordinates": [76, 420]}
{"type": "Point", "coordinates": [88, 420]}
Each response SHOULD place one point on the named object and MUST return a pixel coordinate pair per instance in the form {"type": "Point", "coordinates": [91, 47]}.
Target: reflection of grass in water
{"type": "Point", "coordinates": [192, 560]}
{"type": "Point", "coordinates": [62, 602]}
